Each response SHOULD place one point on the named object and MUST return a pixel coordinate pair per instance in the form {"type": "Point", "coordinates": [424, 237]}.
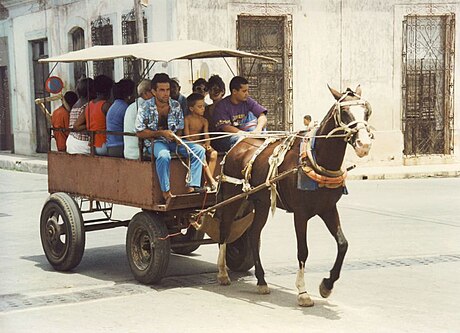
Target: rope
{"type": "Point", "coordinates": [188, 176]}
{"type": "Point", "coordinates": [264, 135]}
{"type": "Point", "coordinates": [188, 148]}
{"type": "Point", "coordinates": [195, 224]}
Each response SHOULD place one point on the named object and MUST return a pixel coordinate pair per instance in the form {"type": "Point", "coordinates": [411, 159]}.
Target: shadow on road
{"type": "Point", "coordinates": [279, 296]}
{"type": "Point", "coordinates": [110, 263]}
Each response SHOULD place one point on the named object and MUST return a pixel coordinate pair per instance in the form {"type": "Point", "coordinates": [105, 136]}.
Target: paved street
{"type": "Point", "coordinates": [400, 273]}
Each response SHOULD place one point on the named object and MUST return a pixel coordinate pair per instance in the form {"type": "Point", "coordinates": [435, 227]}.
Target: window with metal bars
{"type": "Point", "coordinates": [427, 83]}
{"type": "Point", "coordinates": [78, 43]}
{"type": "Point", "coordinates": [132, 68]}
{"type": "Point", "coordinates": [102, 34]}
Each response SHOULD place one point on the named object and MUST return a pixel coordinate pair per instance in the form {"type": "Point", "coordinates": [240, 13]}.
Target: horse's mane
{"type": "Point", "coordinates": [327, 117]}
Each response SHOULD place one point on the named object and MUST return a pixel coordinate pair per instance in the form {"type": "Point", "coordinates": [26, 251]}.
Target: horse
{"type": "Point", "coordinates": [345, 123]}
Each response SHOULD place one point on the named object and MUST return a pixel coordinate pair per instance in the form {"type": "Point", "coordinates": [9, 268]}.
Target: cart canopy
{"type": "Point", "coordinates": [155, 51]}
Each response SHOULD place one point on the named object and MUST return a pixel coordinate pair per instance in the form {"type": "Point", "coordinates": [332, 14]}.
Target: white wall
{"type": "Point", "coordinates": [336, 42]}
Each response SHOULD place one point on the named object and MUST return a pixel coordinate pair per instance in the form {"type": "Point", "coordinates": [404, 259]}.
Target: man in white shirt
{"type": "Point", "coordinates": [131, 143]}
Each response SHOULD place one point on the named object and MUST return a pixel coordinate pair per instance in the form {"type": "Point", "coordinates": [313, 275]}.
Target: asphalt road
{"type": "Point", "coordinates": [400, 273]}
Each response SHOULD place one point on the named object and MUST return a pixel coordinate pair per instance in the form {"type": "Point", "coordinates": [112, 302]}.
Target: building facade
{"type": "Point", "coordinates": [401, 52]}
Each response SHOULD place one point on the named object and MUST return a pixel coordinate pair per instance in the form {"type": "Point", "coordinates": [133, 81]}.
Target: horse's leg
{"type": "Point", "coordinates": [300, 223]}
{"type": "Point", "coordinates": [226, 216]}
{"type": "Point", "coordinates": [262, 208]}
{"type": "Point", "coordinates": [332, 220]}
{"type": "Point", "coordinates": [222, 275]}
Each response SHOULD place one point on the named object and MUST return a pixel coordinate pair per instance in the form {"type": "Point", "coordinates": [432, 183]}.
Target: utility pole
{"type": "Point", "coordinates": [140, 35]}
{"type": "Point", "coordinates": [139, 21]}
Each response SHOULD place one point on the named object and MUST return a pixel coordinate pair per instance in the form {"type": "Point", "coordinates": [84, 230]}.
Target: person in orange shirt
{"type": "Point", "coordinates": [60, 119]}
{"type": "Point", "coordinates": [94, 117]}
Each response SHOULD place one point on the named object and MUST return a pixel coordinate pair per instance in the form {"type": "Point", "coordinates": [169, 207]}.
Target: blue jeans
{"type": "Point", "coordinates": [162, 152]}
{"type": "Point", "coordinates": [224, 144]}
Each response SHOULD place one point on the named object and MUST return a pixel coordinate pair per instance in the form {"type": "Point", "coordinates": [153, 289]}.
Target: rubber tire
{"type": "Point", "coordinates": [191, 235]}
{"type": "Point", "coordinates": [239, 255]}
{"type": "Point", "coordinates": [148, 255]}
{"type": "Point", "coordinates": [63, 254]}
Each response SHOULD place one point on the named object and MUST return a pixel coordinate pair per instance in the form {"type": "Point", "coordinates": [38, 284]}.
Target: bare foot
{"type": "Point", "coordinates": [214, 186]}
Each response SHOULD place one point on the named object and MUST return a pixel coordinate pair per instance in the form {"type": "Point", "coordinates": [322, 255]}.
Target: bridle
{"type": "Point", "coordinates": [353, 127]}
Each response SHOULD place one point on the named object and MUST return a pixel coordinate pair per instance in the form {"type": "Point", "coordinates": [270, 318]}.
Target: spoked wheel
{"type": "Point", "coordinates": [62, 232]}
{"type": "Point", "coordinates": [239, 255]}
{"type": "Point", "coordinates": [191, 235]}
{"type": "Point", "coordinates": [148, 254]}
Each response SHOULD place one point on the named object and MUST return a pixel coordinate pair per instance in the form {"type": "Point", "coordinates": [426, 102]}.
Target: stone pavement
{"type": "Point", "coordinates": [37, 163]}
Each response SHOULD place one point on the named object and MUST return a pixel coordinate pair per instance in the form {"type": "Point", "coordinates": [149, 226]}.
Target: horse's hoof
{"type": "Point", "coordinates": [263, 290]}
{"type": "Point", "coordinates": [304, 300]}
{"type": "Point", "coordinates": [223, 280]}
{"type": "Point", "coordinates": [324, 291]}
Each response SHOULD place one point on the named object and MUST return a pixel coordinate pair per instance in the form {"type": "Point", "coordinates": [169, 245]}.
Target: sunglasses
{"type": "Point", "coordinates": [216, 89]}
{"type": "Point", "coordinates": [201, 89]}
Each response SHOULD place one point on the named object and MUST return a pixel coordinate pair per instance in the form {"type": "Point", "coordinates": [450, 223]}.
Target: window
{"type": "Point", "coordinates": [102, 34]}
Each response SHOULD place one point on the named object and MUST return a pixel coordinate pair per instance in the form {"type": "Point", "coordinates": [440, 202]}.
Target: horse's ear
{"type": "Point", "coordinates": [358, 90]}
{"type": "Point", "coordinates": [335, 93]}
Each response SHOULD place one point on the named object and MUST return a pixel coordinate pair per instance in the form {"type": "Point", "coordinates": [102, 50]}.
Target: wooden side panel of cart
{"type": "Point", "coordinates": [119, 181]}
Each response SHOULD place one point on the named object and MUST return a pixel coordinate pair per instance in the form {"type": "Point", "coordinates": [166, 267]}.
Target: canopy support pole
{"type": "Point", "coordinates": [229, 67]}
{"type": "Point", "coordinates": [147, 68]}
{"type": "Point", "coordinates": [51, 71]}
{"type": "Point", "coordinates": [191, 69]}
{"type": "Point", "coordinates": [250, 69]}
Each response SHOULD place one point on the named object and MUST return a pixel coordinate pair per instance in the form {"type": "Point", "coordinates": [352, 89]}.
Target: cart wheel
{"type": "Point", "coordinates": [62, 232]}
{"type": "Point", "coordinates": [148, 255]}
{"type": "Point", "coordinates": [191, 235]}
{"type": "Point", "coordinates": [239, 255]}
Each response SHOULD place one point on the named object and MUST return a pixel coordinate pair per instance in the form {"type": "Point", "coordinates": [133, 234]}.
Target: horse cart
{"type": "Point", "coordinates": [84, 188]}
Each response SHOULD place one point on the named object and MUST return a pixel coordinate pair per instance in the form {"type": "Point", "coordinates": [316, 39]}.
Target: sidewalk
{"type": "Point", "coordinates": [38, 164]}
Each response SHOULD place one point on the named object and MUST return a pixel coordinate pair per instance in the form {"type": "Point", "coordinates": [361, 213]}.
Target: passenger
{"type": "Point", "coordinates": [160, 118]}
{"type": "Point", "coordinates": [60, 119]}
{"type": "Point", "coordinates": [237, 112]}
{"type": "Point", "coordinates": [307, 121]}
{"type": "Point", "coordinates": [123, 95]}
{"type": "Point", "coordinates": [200, 86]}
{"type": "Point", "coordinates": [175, 94]}
{"type": "Point", "coordinates": [216, 93]}
{"type": "Point", "coordinates": [94, 117]}
{"type": "Point", "coordinates": [197, 125]}
{"type": "Point", "coordinates": [77, 142]}
{"type": "Point", "coordinates": [131, 144]}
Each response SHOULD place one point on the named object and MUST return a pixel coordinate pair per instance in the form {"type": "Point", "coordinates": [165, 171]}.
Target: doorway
{"type": "Point", "coordinates": [6, 138]}
{"type": "Point", "coordinates": [40, 72]}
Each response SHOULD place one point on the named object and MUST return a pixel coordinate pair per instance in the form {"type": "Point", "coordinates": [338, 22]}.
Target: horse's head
{"type": "Point", "coordinates": [351, 114]}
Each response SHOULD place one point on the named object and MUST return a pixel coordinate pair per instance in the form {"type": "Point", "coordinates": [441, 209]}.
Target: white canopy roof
{"type": "Point", "coordinates": [156, 51]}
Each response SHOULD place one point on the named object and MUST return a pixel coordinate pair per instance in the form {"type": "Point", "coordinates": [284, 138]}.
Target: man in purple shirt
{"type": "Point", "coordinates": [238, 113]}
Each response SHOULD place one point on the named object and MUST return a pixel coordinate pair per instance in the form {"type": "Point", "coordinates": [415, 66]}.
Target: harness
{"type": "Point", "coordinates": [319, 174]}
{"type": "Point", "coordinates": [350, 132]}
{"type": "Point", "coordinates": [275, 160]}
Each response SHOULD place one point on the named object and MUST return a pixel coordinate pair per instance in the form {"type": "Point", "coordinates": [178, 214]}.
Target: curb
{"type": "Point", "coordinates": [24, 165]}
{"type": "Point", "coordinates": [405, 172]}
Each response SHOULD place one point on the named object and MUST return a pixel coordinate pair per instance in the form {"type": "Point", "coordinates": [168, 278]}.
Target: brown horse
{"type": "Point", "coordinates": [346, 122]}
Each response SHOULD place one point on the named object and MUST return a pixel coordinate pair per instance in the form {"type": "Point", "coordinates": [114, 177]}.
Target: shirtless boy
{"type": "Point", "coordinates": [196, 125]}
